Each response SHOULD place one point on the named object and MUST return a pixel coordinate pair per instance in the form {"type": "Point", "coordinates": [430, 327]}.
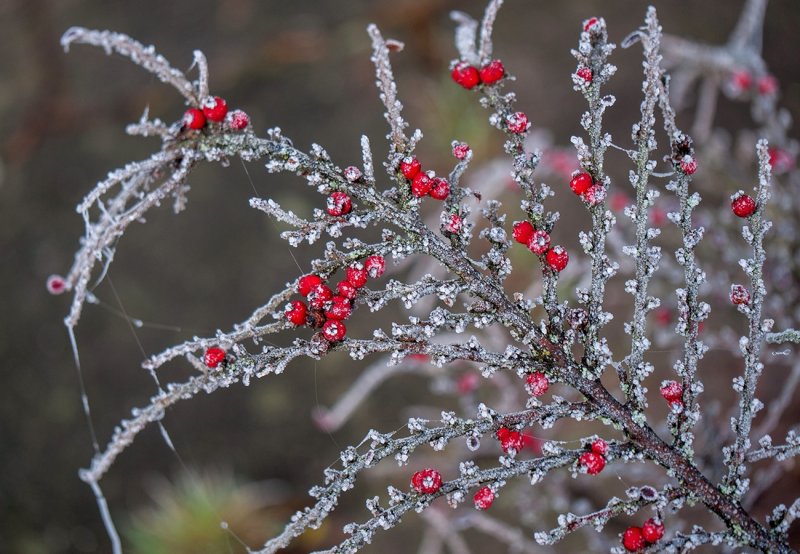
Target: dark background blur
{"type": "Point", "coordinates": [303, 66]}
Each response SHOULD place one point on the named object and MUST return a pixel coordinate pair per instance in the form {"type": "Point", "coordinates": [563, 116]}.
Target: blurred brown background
{"type": "Point", "coordinates": [303, 66]}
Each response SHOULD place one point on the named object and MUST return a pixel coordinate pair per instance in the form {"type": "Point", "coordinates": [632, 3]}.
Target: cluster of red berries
{"type": "Point", "coordinates": [325, 309]}
{"type": "Point", "coordinates": [538, 242]}
{"type": "Point", "coordinates": [743, 205]}
{"type": "Point", "coordinates": [427, 481]}
{"type": "Point", "coordinates": [583, 185]}
{"type": "Point", "coordinates": [594, 461]}
{"type": "Point", "coordinates": [741, 82]}
{"type": "Point", "coordinates": [636, 538]}
{"type": "Point", "coordinates": [215, 109]}
{"type": "Point", "coordinates": [672, 391]}
{"type": "Point", "coordinates": [469, 76]}
{"type": "Point", "coordinates": [424, 183]}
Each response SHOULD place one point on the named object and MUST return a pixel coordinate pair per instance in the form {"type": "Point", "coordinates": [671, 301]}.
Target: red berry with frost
{"type": "Point", "coordinates": [633, 540]}
{"type": "Point", "coordinates": [585, 73]}
{"type": "Point", "coordinates": [595, 195]}
{"type": "Point", "coordinates": [339, 204]}
{"type": "Point", "coordinates": [319, 295]}
{"type": "Point", "coordinates": [589, 23]}
{"type": "Point", "coordinates": [453, 224]}
{"type": "Point", "coordinates": [492, 72]}
{"type": "Point", "coordinates": [739, 295]}
{"type": "Point", "coordinates": [56, 284]}
{"type": "Point", "coordinates": [557, 258]}
{"type": "Point", "coordinates": [517, 123]}
{"type": "Point", "coordinates": [440, 189]}
{"type": "Point", "coordinates": [308, 282]}
{"type": "Point", "coordinates": [427, 481]}
{"type": "Point", "coordinates": [652, 531]}
{"type": "Point", "coordinates": [296, 312]}
{"type": "Point", "coordinates": [193, 118]}
{"type": "Point", "coordinates": [214, 356]}
{"type": "Point", "coordinates": [743, 205]}
{"type": "Point", "coordinates": [409, 167]}
{"type": "Point", "coordinates": [523, 231]}
{"type": "Point", "coordinates": [672, 391]}
{"type": "Point", "coordinates": [346, 289]}
{"type": "Point", "coordinates": [483, 498]}
{"type": "Point", "coordinates": [357, 275]}
{"type": "Point", "coordinates": [339, 309]}
{"type": "Point", "coordinates": [539, 242]}
{"type": "Point", "coordinates": [599, 446]}
{"type": "Point", "coordinates": [237, 120]}
{"type": "Point", "coordinates": [688, 164]}
{"type": "Point", "coordinates": [333, 330]}
{"type": "Point", "coordinates": [580, 183]}
{"type": "Point", "coordinates": [465, 75]}
{"type": "Point", "coordinates": [509, 439]}
{"type": "Point", "coordinates": [537, 383]}
{"type": "Point", "coordinates": [460, 150]}
{"type": "Point", "coordinates": [422, 184]}
{"type": "Point", "coordinates": [215, 109]}
{"type": "Point", "coordinates": [352, 173]}
{"type": "Point", "coordinates": [375, 265]}
{"type": "Point", "coordinates": [767, 85]}
{"type": "Point", "coordinates": [592, 462]}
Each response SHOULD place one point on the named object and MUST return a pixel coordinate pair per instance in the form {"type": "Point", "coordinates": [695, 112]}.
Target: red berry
{"type": "Point", "coordinates": [652, 531]}
{"type": "Point", "coordinates": [517, 123]}
{"type": "Point", "coordinates": [741, 81]}
{"type": "Point", "coordinates": [308, 282]}
{"type": "Point", "coordinates": [523, 231]}
{"type": "Point", "coordinates": [333, 330]}
{"type": "Point", "coordinates": [375, 265]}
{"type": "Point", "coordinates": [633, 540]}
{"type": "Point", "coordinates": [767, 85]}
{"type": "Point", "coordinates": [688, 164]}
{"type": "Point", "coordinates": [593, 462]}
{"type": "Point", "coordinates": [56, 284]}
{"type": "Point", "coordinates": [352, 173]}
{"type": "Point", "coordinates": [739, 295]}
{"type": "Point", "coordinates": [557, 258]}
{"type": "Point", "coordinates": [742, 205]}
{"type": "Point", "coordinates": [214, 356]}
{"type": "Point", "coordinates": [357, 275]}
{"type": "Point", "coordinates": [468, 382]}
{"type": "Point", "coordinates": [237, 120]}
{"type": "Point", "coordinates": [509, 439]}
{"type": "Point", "coordinates": [215, 108]}
{"type": "Point", "coordinates": [346, 289]}
{"type": "Point", "coordinates": [427, 481]}
{"type": "Point", "coordinates": [409, 167]}
{"type": "Point", "coordinates": [465, 75]}
{"type": "Point", "coordinates": [580, 183]}
{"type": "Point", "coordinates": [319, 295]}
{"type": "Point", "coordinates": [453, 224]}
{"type": "Point", "coordinates": [460, 150]}
{"type": "Point", "coordinates": [537, 383]}
{"type": "Point", "coordinates": [672, 391]}
{"type": "Point", "coordinates": [296, 312]}
{"type": "Point", "coordinates": [589, 23]}
{"type": "Point", "coordinates": [339, 204]}
{"type": "Point", "coordinates": [339, 309]}
{"type": "Point", "coordinates": [595, 195]}
{"type": "Point", "coordinates": [483, 498]}
{"type": "Point", "coordinates": [599, 446]}
{"type": "Point", "coordinates": [780, 161]}
{"type": "Point", "coordinates": [194, 118]}
{"type": "Point", "coordinates": [539, 242]}
{"type": "Point", "coordinates": [492, 72]}
{"type": "Point", "coordinates": [440, 189]}
{"type": "Point", "coordinates": [585, 73]}
{"type": "Point", "coordinates": [422, 184]}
